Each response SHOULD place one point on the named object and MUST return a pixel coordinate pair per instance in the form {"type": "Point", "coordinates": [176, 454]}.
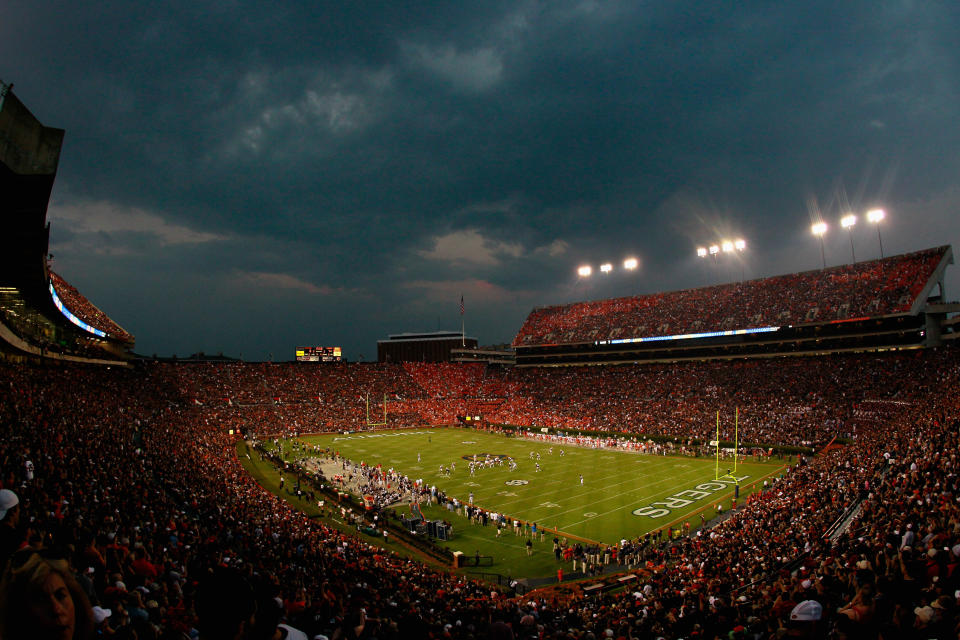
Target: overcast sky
{"type": "Point", "coordinates": [249, 177]}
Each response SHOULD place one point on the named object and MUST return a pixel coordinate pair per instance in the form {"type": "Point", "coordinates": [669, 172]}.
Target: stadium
{"type": "Point", "coordinates": [770, 457]}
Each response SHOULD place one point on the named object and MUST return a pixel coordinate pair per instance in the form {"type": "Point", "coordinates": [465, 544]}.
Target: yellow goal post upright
{"type": "Point", "coordinates": [377, 424]}
{"type": "Point", "coordinates": [731, 474]}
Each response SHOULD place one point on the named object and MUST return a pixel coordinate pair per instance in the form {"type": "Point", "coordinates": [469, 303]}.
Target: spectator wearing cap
{"type": "Point", "coordinates": [11, 535]}
{"type": "Point", "coordinates": [100, 620]}
{"type": "Point", "coordinates": [805, 620]}
{"type": "Point", "coordinates": [908, 537]}
{"type": "Point", "coordinates": [925, 617]}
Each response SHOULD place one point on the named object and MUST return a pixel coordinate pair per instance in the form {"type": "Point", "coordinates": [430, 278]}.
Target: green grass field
{"type": "Point", "coordinates": [623, 495]}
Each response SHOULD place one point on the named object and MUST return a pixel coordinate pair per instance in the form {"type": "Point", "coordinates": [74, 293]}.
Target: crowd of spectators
{"type": "Point", "coordinates": [143, 488]}
{"type": "Point", "coordinates": [790, 401]}
{"type": "Point", "coordinates": [133, 476]}
{"type": "Point", "coordinates": [863, 289]}
{"type": "Point", "coordinates": [86, 311]}
{"type": "Point", "coordinates": [460, 381]}
{"type": "Point", "coordinates": [796, 401]}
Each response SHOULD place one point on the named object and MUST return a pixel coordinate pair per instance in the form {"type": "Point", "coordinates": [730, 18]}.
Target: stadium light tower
{"type": "Point", "coordinates": [732, 247]}
{"type": "Point", "coordinates": [875, 216]}
{"type": "Point", "coordinates": [818, 229]}
{"type": "Point", "coordinates": [714, 252]}
{"type": "Point", "coordinates": [703, 252]}
{"type": "Point", "coordinates": [584, 271]}
{"type": "Point", "coordinates": [847, 223]}
{"type": "Point", "coordinates": [630, 264]}
{"type": "Point", "coordinates": [740, 245]}
{"type": "Point", "coordinates": [606, 267]}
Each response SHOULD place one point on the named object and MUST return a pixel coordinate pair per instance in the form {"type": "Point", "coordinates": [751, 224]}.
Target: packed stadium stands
{"type": "Point", "coordinates": [125, 480]}
{"type": "Point", "coordinates": [152, 515]}
{"type": "Point", "coordinates": [132, 471]}
{"type": "Point", "coordinates": [891, 303]}
{"type": "Point", "coordinates": [86, 311]}
{"type": "Point", "coordinates": [865, 289]}
{"type": "Point", "coordinates": [782, 401]}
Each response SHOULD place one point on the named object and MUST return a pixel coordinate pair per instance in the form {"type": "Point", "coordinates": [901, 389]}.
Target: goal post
{"type": "Point", "coordinates": [731, 474]}
{"type": "Point", "coordinates": [377, 424]}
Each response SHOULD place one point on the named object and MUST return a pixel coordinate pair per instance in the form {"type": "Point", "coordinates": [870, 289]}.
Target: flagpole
{"type": "Point", "coordinates": [463, 326]}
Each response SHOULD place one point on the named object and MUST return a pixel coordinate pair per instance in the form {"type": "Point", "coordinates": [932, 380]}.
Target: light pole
{"type": "Point", "coordinates": [702, 252]}
{"type": "Point", "coordinates": [713, 251]}
{"type": "Point", "coordinates": [847, 223]}
{"type": "Point", "coordinates": [727, 247]}
{"type": "Point", "coordinates": [875, 216]}
{"type": "Point", "coordinates": [740, 245]}
{"type": "Point", "coordinates": [818, 229]}
{"type": "Point", "coordinates": [724, 246]}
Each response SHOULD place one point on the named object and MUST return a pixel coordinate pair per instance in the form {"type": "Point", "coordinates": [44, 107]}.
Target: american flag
{"type": "Point", "coordinates": [461, 305]}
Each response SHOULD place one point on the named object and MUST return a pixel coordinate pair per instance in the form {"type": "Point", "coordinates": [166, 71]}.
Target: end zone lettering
{"type": "Point", "coordinates": [685, 498]}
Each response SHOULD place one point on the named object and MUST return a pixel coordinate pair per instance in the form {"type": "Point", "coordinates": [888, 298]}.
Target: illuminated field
{"type": "Point", "coordinates": [623, 494]}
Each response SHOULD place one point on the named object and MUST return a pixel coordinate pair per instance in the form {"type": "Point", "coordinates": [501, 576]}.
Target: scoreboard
{"type": "Point", "coordinates": [319, 354]}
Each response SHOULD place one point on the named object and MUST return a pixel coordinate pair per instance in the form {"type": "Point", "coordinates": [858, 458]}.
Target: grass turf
{"type": "Point", "coordinates": [616, 485]}
{"type": "Point", "coordinates": [623, 495]}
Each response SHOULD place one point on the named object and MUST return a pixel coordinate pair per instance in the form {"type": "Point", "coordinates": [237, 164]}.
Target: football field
{"type": "Point", "coordinates": [600, 495]}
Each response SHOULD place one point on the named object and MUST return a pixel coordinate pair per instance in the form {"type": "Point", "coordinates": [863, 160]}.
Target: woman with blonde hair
{"type": "Point", "coordinates": [40, 598]}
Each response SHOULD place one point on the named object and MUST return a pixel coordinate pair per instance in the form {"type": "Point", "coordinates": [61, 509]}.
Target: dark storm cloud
{"type": "Point", "coordinates": [349, 171]}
